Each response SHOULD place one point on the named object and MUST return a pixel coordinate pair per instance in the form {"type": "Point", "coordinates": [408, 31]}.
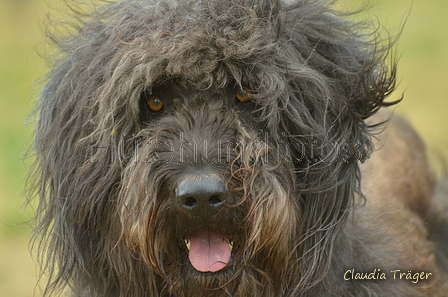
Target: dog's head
{"type": "Point", "coordinates": [203, 147]}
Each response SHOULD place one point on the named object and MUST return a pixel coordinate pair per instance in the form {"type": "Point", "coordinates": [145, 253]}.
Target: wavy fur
{"type": "Point", "coordinates": [106, 166]}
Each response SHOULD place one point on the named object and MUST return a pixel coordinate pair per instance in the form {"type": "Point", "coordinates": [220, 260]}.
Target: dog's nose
{"type": "Point", "coordinates": [201, 195]}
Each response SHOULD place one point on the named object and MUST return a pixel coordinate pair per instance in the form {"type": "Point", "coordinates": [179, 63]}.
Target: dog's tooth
{"type": "Point", "coordinates": [187, 243]}
{"type": "Point", "coordinates": [231, 245]}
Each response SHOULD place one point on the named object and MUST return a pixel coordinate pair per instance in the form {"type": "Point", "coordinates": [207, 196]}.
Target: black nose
{"type": "Point", "coordinates": [201, 195]}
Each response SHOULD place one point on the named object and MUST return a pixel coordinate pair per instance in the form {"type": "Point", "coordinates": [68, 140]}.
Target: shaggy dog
{"type": "Point", "coordinates": [227, 148]}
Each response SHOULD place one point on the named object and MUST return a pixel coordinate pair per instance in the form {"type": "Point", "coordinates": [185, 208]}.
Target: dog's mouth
{"type": "Point", "coordinates": [208, 250]}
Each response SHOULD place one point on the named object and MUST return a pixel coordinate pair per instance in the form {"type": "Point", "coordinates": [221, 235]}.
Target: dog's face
{"type": "Point", "coordinates": [204, 167]}
{"type": "Point", "coordinates": [203, 147]}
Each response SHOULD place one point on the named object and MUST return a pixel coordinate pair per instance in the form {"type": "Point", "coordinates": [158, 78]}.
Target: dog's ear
{"type": "Point", "coordinates": [337, 76]}
{"type": "Point", "coordinates": [76, 169]}
{"type": "Point", "coordinates": [354, 69]}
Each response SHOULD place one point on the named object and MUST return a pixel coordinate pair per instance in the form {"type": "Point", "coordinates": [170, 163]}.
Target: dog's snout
{"type": "Point", "coordinates": [201, 195]}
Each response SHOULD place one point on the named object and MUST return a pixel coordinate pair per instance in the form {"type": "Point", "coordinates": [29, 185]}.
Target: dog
{"type": "Point", "coordinates": [231, 148]}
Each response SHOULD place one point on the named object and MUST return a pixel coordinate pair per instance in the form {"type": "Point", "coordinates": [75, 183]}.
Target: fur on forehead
{"type": "Point", "coordinates": [208, 44]}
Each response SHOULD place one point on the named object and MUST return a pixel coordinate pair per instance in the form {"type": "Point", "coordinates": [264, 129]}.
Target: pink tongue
{"type": "Point", "coordinates": [209, 251]}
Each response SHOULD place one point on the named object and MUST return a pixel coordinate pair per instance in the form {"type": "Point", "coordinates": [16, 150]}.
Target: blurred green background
{"type": "Point", "coordinates": [423, 75]}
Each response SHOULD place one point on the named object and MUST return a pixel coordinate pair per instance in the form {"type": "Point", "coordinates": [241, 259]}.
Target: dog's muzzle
{"type": "Point", "coordinates": [201, 197]}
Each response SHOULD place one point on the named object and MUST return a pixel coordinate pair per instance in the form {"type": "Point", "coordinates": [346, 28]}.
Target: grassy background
{"type": "Point", "coordinates": [423, 75]}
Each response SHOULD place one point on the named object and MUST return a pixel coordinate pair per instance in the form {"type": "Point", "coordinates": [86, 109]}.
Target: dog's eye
{"type": "Point", "coordinates": [155, 103]}
{"type": "Point", "coordinates": [243, 94]}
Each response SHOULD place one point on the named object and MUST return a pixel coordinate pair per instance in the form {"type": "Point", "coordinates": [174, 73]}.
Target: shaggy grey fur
{"type": "Point", "coordinates": [107, 167]}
